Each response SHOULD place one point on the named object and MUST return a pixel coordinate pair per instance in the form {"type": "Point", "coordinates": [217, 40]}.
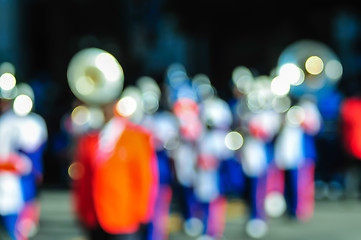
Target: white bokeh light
{"type": "Point", "coordinates": [96, 117]}
{"type": "Point", "coordinates": [7, 67]}
{"type": "Point", "coordinates": [22, 105]}
{"type": "Point", "coordinates": [256, 228]}
{"type": "Point", "coordinates": [126, 106]}
{"type": "Point", "coordinates": [334, 70]}
{"type": "Point", "coordinates": [314, 65]}
{"type": "Point", "coordinates": [275, 204]}
{"type": "Point", "coordinates": [292, 73]}
{"type": "Point", "coordinates": [7, 81]}
{"type": "Point", "coordinates": [281, 104]}
{"type": "Point", "coordinates": [233, 140]}
{"type": "Point", "coordinates": [280, 86]}
{"type": "Point", "coordinates": [80, 115]}
{"type": "Point", "coordinates": [296, 115]}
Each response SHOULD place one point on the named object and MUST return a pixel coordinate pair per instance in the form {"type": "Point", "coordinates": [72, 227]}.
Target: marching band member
{"type": "Point", "coordinates": [259, 123]}
{"type": "Point", "coordinates": [115, 173]}
{"type": "Point", "coordinates": [182, 99]}
{"type": "Point", "coordinates": [256, 154]}
{"type": "Point", "coordinates": [165, 132]}
{"type": "Point", "coordinates": [23, 135]}
{"type": "Point", "coordinates": [164, 127]}
{"type": "Point", "coordinates": [34, 132]}
{"type": "Point", "coordinates": [217, 117]}
{"type": "Point", "coordinates": [117, 182]}
{"type": "Point", "coordinates": [350, 132]}
{"type": "Point", "coordinates": [295, 154]}
{"type": "Point", "coordinates": [351, 126]}
{"type": "Point", "coordinates": [12, 166]}
{"type": "Point", "coordinates": [185, 159]}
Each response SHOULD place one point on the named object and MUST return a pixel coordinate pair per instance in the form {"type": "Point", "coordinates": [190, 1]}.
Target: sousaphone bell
{"type": "Point", "coordinates": [95, 76]}
{"type": "Point", "coordinates": [319, 67]}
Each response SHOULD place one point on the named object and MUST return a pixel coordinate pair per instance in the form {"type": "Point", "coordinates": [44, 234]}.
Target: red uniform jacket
{"type": "Point", "coordinates": [351, 126]}
{"type": "Point", "coordinates": [116, 190]}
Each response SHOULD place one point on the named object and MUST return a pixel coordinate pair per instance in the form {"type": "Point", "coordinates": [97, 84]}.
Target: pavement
{"type": "Point", "coordinates": [332, 220]}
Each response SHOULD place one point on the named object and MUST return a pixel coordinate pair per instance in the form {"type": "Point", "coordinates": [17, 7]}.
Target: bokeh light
{"type": "Point", "coordinates": [254, 101]}
{"type": "Point", "coordinates": [80, 115]}
{"type": "Point", "coordinates": [256, 228]}
{"type": "Point", "coordinates": [22, 105]}
{"type": "Point", "coordinates": [96, 118]}
{"type": "Point", "coordinates": [296, 115]}
{"type": "Point", "coordinates": [126, 106]}
{"type": "Point", "coordinates": [314, 65]}
{"type": "Point", "coordinates": [242, 78]}
{"type": "Point", "coordinates": [7, 81]}
{"type": "Point", "coordinates": [202, 86]}
{"type": "Point", "coordinates": [150, 102]}
{"type": "Point", "coordinates": [216, 113]}
{"type": "Point", "coordinates": [176, 75]}
{"type": "Point", "coordinates": [193, 227]}
{"type": "Point", "coordinates": [333, 70]}
{"type": "Point", "coordinates": [7, 67]}
{"type": "Point", "coordinates": [292, 73]}
{"type": "Point", "coordinates": [233, 140]}
{"type": "Point", "coordinates": [76, 171]}
{"type": "Point", "coordinates": [150, 94]}
{"type": "Point", "coordinates": [131, 104]}
{"type": "Point", "coordinates": [275, 204]}
{"type": "Point", "coordinates": [280, 86]}
{"type": "Point", "coordinates": [281, 103]}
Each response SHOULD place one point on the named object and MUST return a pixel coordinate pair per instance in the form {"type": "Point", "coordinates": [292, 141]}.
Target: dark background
{"type": "Point", "coordinates": [211, 37]}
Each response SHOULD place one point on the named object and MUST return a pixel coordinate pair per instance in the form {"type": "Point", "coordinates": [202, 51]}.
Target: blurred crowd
{"type": "Point", "coordinates": [279, 143]}
{"type": "Point", "coordinates": [23, 135]}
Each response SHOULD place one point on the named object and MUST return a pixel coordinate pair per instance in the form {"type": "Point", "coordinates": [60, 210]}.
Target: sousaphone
{"type": "Point", "coordinates": [95, 76]}
{"type": "Point", "coordinates": [319, 65]}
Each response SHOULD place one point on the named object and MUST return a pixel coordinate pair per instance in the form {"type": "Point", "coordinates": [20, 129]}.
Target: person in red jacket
{"type": "Point", "coordinates": [351, 126]}
{"type": "Point", "coordinates": [116, 180]}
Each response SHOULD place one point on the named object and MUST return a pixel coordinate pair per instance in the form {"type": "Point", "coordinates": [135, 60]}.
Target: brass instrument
{"type": "Point", "coordinates": [321, 68]}
{"type": "Point", "coordinates": [95, 76]}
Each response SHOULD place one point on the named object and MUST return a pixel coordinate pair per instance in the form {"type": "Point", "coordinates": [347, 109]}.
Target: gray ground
{"type": "Point", "coordinates": [339, 220]}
